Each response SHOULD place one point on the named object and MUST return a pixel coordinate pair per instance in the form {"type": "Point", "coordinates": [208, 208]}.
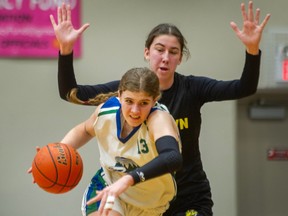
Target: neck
{"type": "Point", "coordinates": [126, 129]}
{"type": "Point", "coordinates": [166, 84]}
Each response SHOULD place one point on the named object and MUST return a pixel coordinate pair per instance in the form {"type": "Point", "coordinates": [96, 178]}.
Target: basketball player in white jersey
{"type": "Point", "coordinates": [139, 149]}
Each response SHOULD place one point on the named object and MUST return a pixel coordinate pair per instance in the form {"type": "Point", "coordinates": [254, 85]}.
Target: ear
{"type": "Point", "coordinates": [119, 94]}
{"type": "Point", "coordinates": [146, 54]}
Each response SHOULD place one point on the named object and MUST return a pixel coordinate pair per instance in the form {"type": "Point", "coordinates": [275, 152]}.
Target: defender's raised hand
{"type": "Point", "coordinates": [251, 32]}
{"type": "Point", "coordinates": [65, 33]}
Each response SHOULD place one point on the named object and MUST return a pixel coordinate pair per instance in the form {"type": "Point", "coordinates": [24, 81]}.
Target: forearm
{"type": "Point", "coordinates": [66, 76]}
{"type": "Point", "coordinates": [250, 76]}
{"type": "Point", "coordinates": [168, 161]}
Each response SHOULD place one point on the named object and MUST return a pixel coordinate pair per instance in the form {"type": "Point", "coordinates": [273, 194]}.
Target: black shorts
{"type": "Point", "coordinates": [188, 213]}
{"type": "Point", "coordinates": [195, 205]}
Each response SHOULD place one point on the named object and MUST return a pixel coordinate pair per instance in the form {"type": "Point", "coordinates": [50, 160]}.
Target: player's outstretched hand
{"type": "Point", "coordinates": [110, 193]}
{"type": "Point", "coordinates": [251, 32]}
{"type": "Point", "coordinates": [65, 33]}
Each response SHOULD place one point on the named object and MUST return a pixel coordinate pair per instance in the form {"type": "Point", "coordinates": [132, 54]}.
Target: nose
{"type": "Point", "coordinates": [165, 56]}
{"type": "Point", "coordinates": [135, 109]}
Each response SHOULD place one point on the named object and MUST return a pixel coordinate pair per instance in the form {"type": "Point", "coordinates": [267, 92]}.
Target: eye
{"type": "Point", "coordinates": [128, 101]}
{"type": "Point", "coordinates": [174, 52]}
{"type": "Point", "coordinates": [144, 103]}
{"type": "Point", "coordinates": [159, 48]}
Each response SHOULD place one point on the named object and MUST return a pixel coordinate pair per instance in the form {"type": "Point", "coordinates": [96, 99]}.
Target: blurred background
{"type": "Point", "coordinates": [236, 136]}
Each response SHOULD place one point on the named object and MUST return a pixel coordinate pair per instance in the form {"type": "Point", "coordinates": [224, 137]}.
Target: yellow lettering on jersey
{"type": "Point", "coordinates": [182, 123]}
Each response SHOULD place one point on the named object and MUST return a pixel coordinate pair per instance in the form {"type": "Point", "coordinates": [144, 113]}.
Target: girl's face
{"type": "Point", "coordinates": [135, 107]}
{"type": "Point", "coordinates": [164, 55]}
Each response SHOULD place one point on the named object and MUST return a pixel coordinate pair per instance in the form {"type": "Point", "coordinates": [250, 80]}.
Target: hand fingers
{"type": "Point", "coordinates": [37, 148]}
{"type": "Point", "coordinates": [91, 201]}
{"type": "Point", "coordinates": [53, 21]}
{"type": "Point", "coordinates": [68, 13]}
{"type": "Point", "coordinates": [83, 28]}
{"type": "Point", "coordinates": [243, 11]}
{"type": "Point", "coordinates": [250, 11]}
{"type": "Point", "coordinates": [59, 14]}
{"type": "Point", "coordinates": [29, 170]}
{"type": "Point", "coordinates": [250, 16]}
{"type": "Point", "coordinates": [102, 204]}
{"type": "Point", "coordinates": [64, 12]}
{"type": "Point", "coordinates": [106, 204]}
{"type": "Point", "coordinates": [109, 202]}
{"type": "Point", "coordinates": [95, 199]}
{"type": "Point", "coordinates": [257, 16]}
{"type": "Point", "coordinates": [234, 27]}
{"type": "Point", "coordinates": [263, 24]}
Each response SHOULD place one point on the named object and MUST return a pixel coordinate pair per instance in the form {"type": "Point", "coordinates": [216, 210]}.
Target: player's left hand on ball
{"type": "Point", "coordinates": [29, 171]}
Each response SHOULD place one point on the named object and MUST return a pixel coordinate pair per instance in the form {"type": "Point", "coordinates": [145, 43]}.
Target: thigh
{"type": "Point", "coordinates": [132, 210]}
{"type": "Point", "coordinates": [97, 183]}
{"type": "Point", "coordinates": [111, 213]}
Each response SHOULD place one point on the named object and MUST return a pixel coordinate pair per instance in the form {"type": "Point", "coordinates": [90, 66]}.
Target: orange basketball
{"type": "Point", "coordinates": [57, 168]}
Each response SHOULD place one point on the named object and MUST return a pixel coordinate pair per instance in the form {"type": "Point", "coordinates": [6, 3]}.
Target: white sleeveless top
{"type": "Point", "coordinates": [118, 155]}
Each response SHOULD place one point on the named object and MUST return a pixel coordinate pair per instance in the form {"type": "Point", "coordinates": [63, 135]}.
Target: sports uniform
{"type": "Point", "coordinates": [119, 156]}
{"type": "Point", "coordinates": [184, 100]}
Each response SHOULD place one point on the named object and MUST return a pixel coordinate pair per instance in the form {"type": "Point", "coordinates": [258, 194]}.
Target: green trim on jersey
{"type": "Point", "coordinates": [107, 112]}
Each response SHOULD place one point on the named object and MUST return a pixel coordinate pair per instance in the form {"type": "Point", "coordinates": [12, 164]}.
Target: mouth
{"type": "Point", "coordinates": [134, 117]}
{"type": "Point", "coordinates": [163, 68]}
{"type": "Point", "coordinates": [134, 121]}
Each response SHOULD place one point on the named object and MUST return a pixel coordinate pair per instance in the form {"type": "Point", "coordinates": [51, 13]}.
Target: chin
{"type": "Point", "coordinates": [134, 123]}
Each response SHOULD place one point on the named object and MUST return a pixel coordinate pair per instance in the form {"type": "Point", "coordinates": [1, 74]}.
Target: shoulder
{"type": "Point", "coordinates": [110, 106]}
{"type": "Point", "coordinates": [160, 123]}
{"type": "Point", "coordinates": [160, 117]}
{"type": "Point", "coordinates": [159, 112]}
{"type": "Point", "coordinates": [111, 102]}
{"type": "Point", "coordinates": [190, 78]}
{"type": "Point", "coordinates": [159, 106]}
{"type": "Point", "coordinates": [190, 81]}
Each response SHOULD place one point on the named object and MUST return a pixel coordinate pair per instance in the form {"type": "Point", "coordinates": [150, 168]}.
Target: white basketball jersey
{"type": "Point", "coordinates": [118, 155]}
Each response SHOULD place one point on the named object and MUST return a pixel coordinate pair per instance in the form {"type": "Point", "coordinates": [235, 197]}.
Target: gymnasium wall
{"type": "Point", "coordinates": [32, 113]}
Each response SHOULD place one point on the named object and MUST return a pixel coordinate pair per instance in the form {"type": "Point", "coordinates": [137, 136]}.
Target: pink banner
{"type": "Point", "coordinates": [26, 30]}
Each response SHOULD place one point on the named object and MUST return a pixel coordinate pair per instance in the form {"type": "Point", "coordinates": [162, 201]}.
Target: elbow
{"type": "Point", "coordinates": [176, 161]}
{"type": "Point", "coordinates": [246, 90]}
{"type": "Point", "coordinates": [250, 92]}
{"type": "Point", "coordinates": [179, 162]}
{"type": "Point", "coordinates": [62, 96]}
{"type": "Point", "coordinates": [63, 93]}
{"type": "Point", "coordinates": [253, 92]}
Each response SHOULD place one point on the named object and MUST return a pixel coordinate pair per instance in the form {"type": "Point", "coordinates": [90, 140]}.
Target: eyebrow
{"type": "Point", "coordinates": [144, 100]}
